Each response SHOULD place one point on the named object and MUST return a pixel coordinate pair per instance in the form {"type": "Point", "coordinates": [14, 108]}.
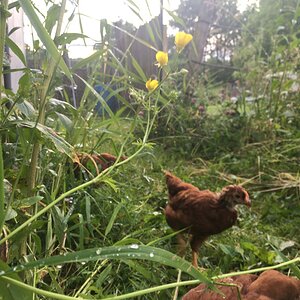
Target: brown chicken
{"type": "Point", "coordinates": [201, 212]}
{"type": "Point", "coordinates": [269, 285]}
{"type": "Point", "coordinates": [93, 163]}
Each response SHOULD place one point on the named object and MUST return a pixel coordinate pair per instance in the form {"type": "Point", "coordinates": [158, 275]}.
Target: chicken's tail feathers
{"type": "Point", "coordinates": [167, 173]}
{"type": "Point", "coordinates": [174, 184]}
{"type": "Point", "coordinates": [169, 176]}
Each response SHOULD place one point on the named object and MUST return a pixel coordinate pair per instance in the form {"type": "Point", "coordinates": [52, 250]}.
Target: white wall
{"type": "Point", "coordinates": [16, 20]}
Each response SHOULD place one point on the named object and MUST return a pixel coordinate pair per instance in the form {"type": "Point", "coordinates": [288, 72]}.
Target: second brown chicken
{"type": "Point", "coordinates": [201, 212]}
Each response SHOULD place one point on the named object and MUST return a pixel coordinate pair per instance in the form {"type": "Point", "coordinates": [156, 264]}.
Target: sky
{"type": "Point", "coordinates": [113, 10]}
{"type": "Point", "coordinates": [92, 11]}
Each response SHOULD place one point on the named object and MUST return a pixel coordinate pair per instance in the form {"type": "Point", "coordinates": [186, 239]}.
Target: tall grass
{"type": "Point", "coordinates": [3, 15]}
{"type": "Point", "coordinates": [43, 209]}
{"type": "Point", "coordinates": [102, 235]}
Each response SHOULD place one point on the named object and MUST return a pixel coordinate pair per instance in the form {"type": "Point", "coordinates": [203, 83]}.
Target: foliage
{"type": "Point", "coordinates": [223, 36]}
{"type": "Point", "coordinates": [186, 15]}
{"type": "Point", "coordinates": [65, 237]}
{"type": "Point", "coordinates": [268, 58]}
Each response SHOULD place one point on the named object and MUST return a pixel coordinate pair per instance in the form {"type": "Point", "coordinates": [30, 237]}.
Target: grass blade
{"type": "Point", "coordinates": [9, 292]}
{"type": "Point", "coordinates": [133, 251]}
{"type": "Point", "coordinates": [44, 36]}
{"type": "Point", "coordinates": [112, 219]}
{"type": "Point", "coordinates": [293, 267]}
{"type": "Point", "coordinates": [16, 50]}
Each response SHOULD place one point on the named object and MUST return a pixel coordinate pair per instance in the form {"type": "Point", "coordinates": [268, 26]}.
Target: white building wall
{"type": "Point", "coordinates": [16, 20]}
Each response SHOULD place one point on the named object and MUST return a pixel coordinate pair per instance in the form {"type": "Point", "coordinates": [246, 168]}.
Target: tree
{"type": "Point", "coordinates": [225, 32]}
{"type": "Point", "coordinates": [198, 16]}
{"type": "Point", "coordinates": [216, 26]}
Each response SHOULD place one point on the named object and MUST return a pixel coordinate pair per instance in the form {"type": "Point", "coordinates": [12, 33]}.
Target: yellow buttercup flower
{"type": "Point", "coordinates": [162, 58]}
{"type": "Point", "coordinates": [151, 84]}
{"type": "Point", "coordinates": [182, 39]}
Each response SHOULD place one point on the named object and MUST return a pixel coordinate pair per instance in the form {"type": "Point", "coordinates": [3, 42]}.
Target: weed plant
{"type": "Point", "coordinates": [64, 237]}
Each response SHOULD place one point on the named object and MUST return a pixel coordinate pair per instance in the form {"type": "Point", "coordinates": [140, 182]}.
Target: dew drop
{"type": "Point", "coordinates": [134, 246]}
{"type": "Point", "coordinates": [151, 254]}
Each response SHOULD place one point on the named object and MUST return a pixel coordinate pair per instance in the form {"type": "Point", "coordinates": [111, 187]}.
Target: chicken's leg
{"type": "Point", "coordinates": [195, 259]}
{"type": "Point", "coordinates": [181, 245]}
{"type": "Point", "coordinates": [196, 242]}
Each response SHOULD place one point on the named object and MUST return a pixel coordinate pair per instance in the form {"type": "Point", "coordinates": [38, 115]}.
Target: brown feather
{"type": "Point", "coordinates": [201, 212]}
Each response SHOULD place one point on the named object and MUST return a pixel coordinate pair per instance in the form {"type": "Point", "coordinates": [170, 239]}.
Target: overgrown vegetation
{"type": "Point", "coordinates": [102, 233]}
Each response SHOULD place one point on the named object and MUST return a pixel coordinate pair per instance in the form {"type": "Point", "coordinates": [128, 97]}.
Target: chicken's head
{"type": "Point", "coordinates": [235, 194]}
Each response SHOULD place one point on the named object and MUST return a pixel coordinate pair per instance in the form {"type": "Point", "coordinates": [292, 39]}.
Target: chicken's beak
{"type": "Point", "coordinates": [247, 201]}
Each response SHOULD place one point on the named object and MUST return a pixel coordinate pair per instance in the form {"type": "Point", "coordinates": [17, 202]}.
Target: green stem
{"type": "Point", "coordinates": [77, 188]}
{"type": "Point", "coordinates": [49, 295]}
{"type": "Point", "coordinates": [196, 281]}
{"type": "Point", "coordinates": [284, 264]}
{"type": "Point", "coordinates": [2, 200]}
{"type": "Point", "coordinates": [41, 118]}
{"type": "Point", "coordinates": [145, 291]}
{"type": "Point", "coordinates": [3, 16]}
{"type": "Point", "coordinates": [89, 281]}
{"type": "Point", "coordinates": [86, 184]}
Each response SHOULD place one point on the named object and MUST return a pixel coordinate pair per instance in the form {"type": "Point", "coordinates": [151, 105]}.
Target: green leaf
{"type": "Point", "coordinates": [58, 221]}
{"type": "Point", "coordinates": [135, 38]}
{"type": "Point", "coordinates": [135, 11]}
{"type": "Point", "coordinates": [16, 50]}
{"type": "Point", "coordinates": [177, 19]}
{"type": "Point", "coordinates": [14, 4]}
{"type": "Point", "coordinates": [67, 38]}
{"type": "Point", "coordinates": [81, 231]}
{"type": "Point", "coordinates": [228, 250]}
{"type": "Point", "coordinates": [130, 252]}
{"type": "Point", "coordinates": [294, 267]}
{"type": "Point", "coordinates": [26, 108]}
{"type": "Point", "coordinates": [24, 85]}
{"type": "Point", "coordinates": [132, 3]}
{"type": "Point", "coordinates": [10, 214]}
{"type": "Point", "coordinates": [103, 275]}
{"type": "Point", "coordinates": [51, 18]}
{"type": "Point", "coordinates": [90, 59]}
{"type": "Point", "coordinates": [44, 36]}
{"type": "Point", "coordinates": [100, 98]}
{"type": "Point", "coordinates": [147, 274]}
{"type": "Point", "coordinates": [138, 69]}
{"type": "Point", "coordinates": [112, 219]}
{"type": "Point", "coordinates": [12, 292]}
{"type": "Point", "coordinates": [49, 233]}
{"type": "Point", "coordinates": [67, 123]}
{"type": "Point", "coordinates": [60, 144]}
{"type": "Point", "coordinates": [27, 202]}
{"type": "Point", "coordinates": [65, 105]}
